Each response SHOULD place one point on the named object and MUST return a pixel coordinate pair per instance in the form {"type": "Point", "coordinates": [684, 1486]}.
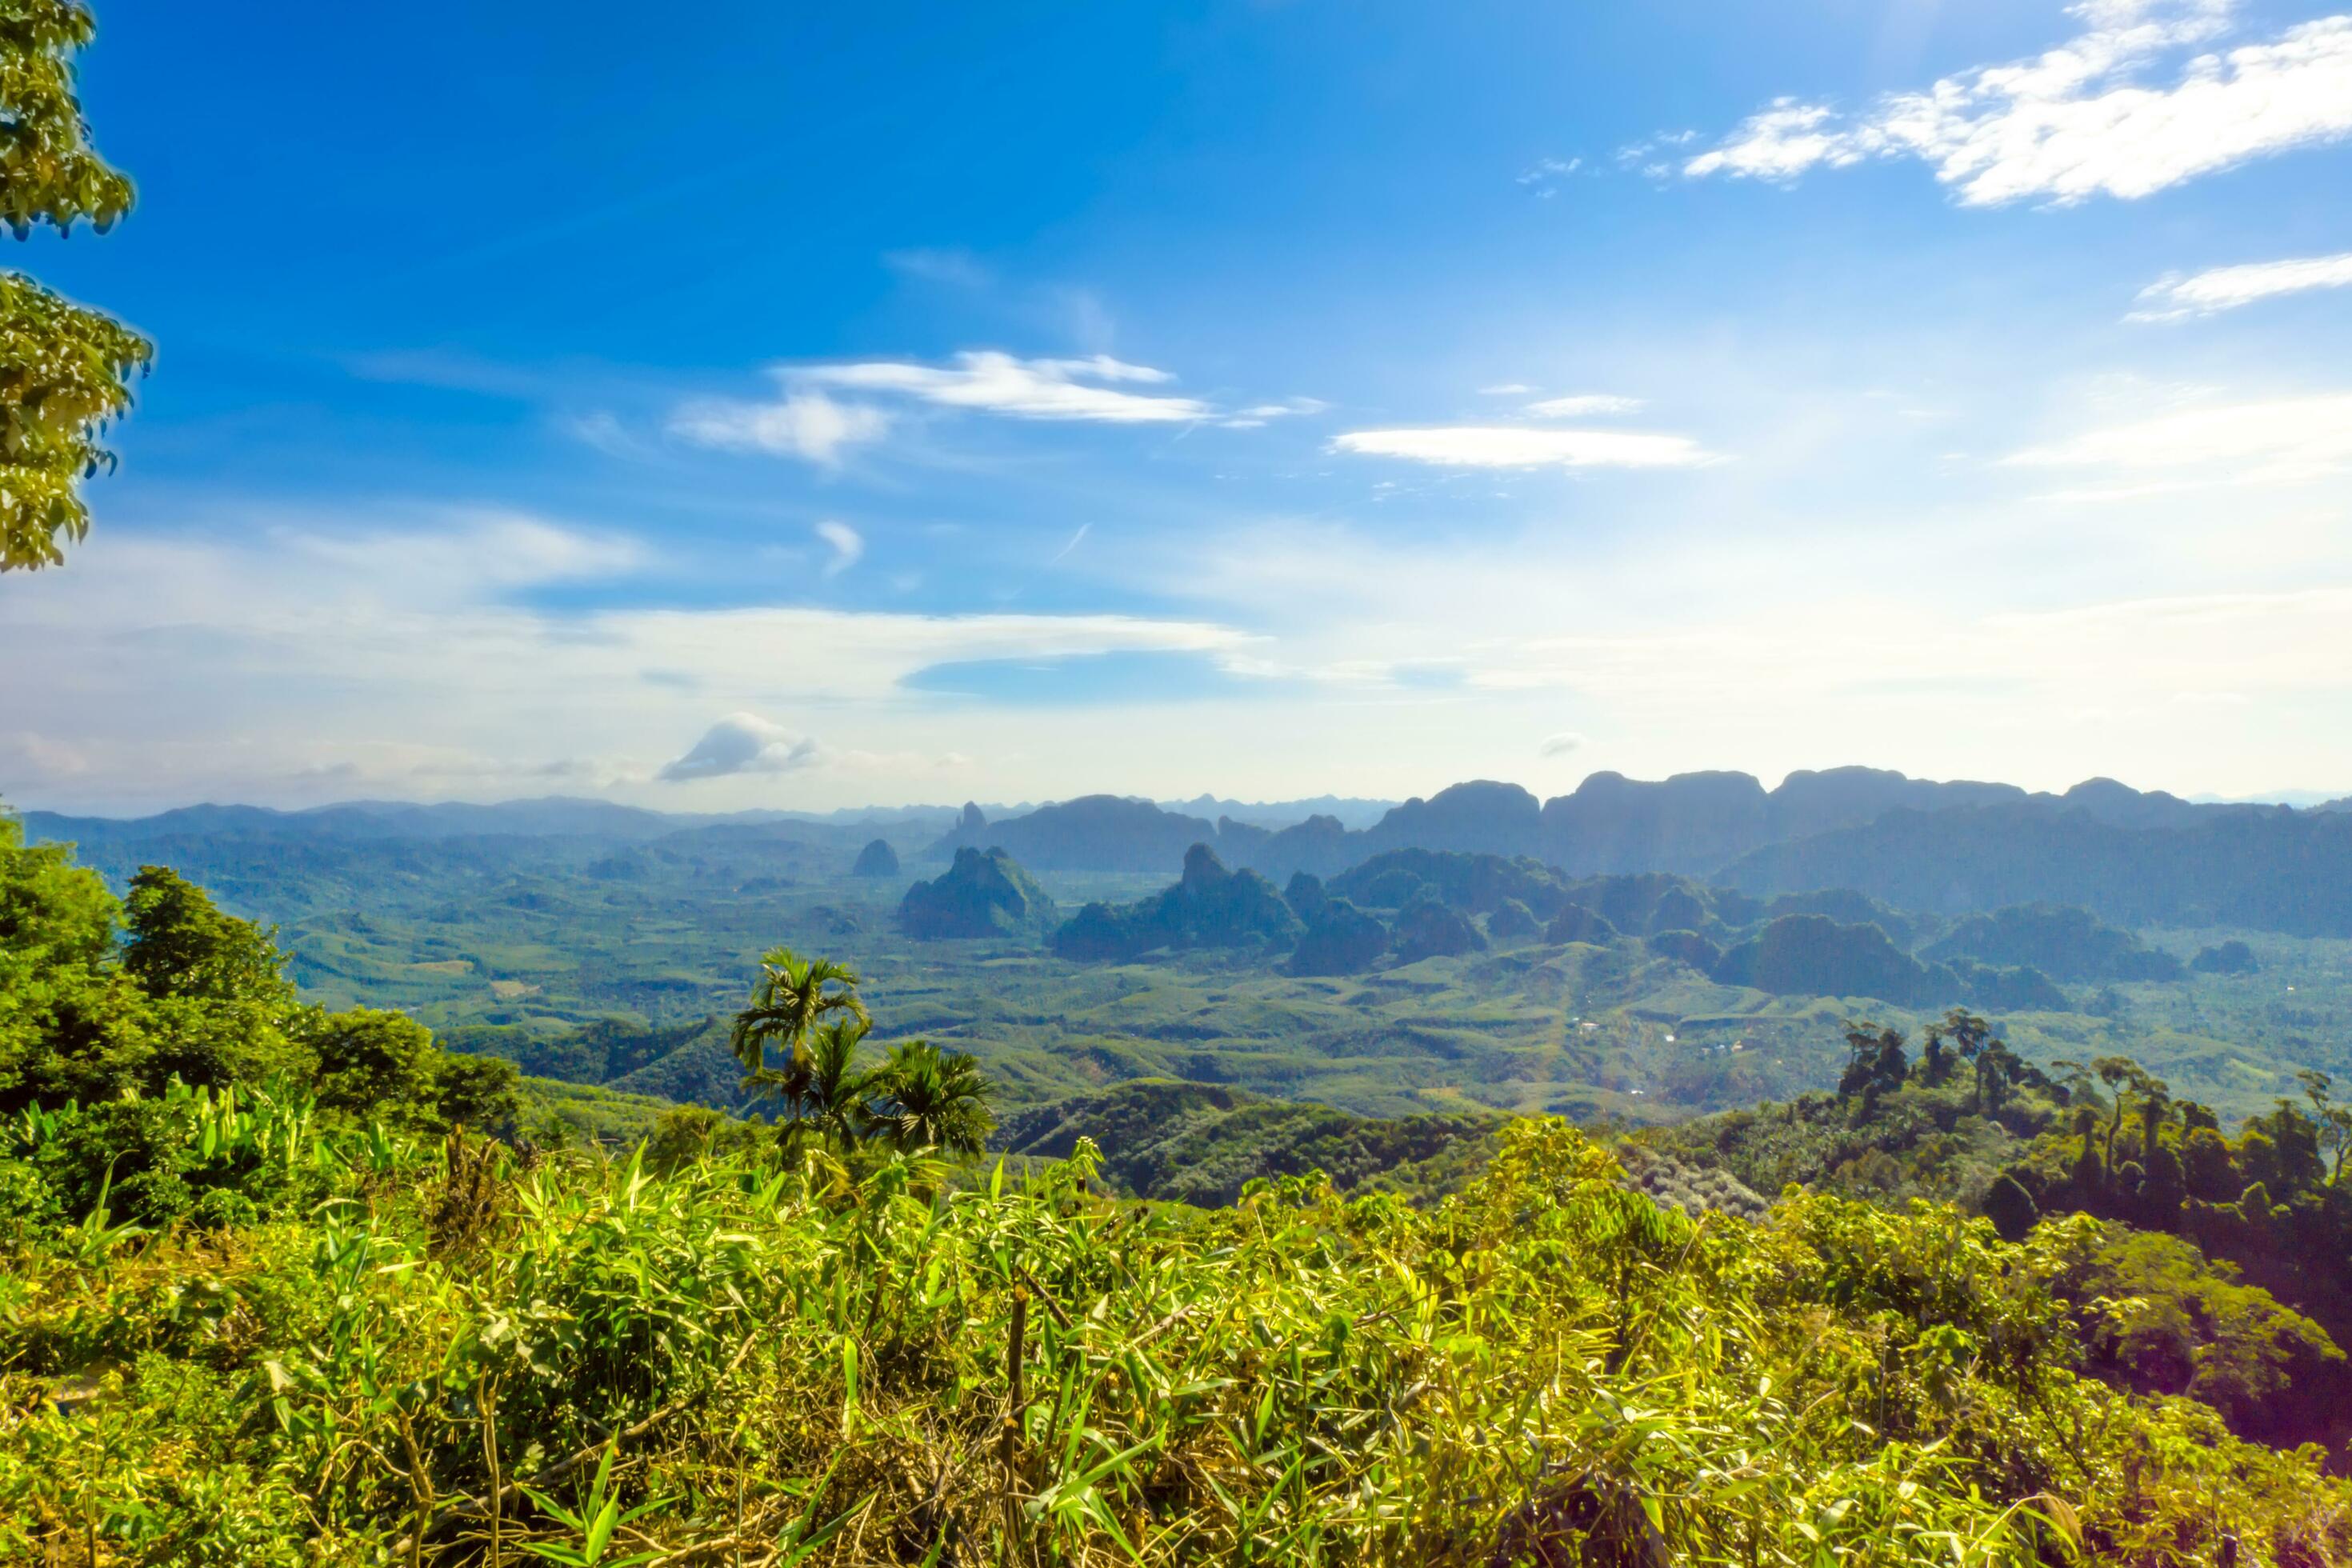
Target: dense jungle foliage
{"type": "Point", "coordinates": [2238, 1250]}
{"type": "Point", "coordinates": [302, 1317]}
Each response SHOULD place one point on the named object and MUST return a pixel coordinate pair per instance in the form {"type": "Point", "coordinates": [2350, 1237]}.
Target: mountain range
{"type": "Point", "coordinates": [1697, 823]}
{"type": "Point", "coordinates": [2130, 856]}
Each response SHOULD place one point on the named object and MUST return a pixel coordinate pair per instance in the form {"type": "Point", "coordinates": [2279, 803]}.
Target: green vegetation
{"type": "Point", "coordinates": [64, 368]}
{"type": "Point", "coordinates": [266, 1300]}
{"type": "Point", "coordinates": [112, 1010]}
{"type": "Point", "coordinates": [432, 1351]}
{"type": "Point", "coordinates": [1205, 1143]}
{"type": "Point", "coordinates": [808, 1009]}
{"type": "Point", "coordinates": [2236, 1253]}
{"type": "Point", "coordinates": [497, 936]}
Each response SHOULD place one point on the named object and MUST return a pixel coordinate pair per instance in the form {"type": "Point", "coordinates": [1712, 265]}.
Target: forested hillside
{"type": "Point", "coordinates": [2237, 1247]}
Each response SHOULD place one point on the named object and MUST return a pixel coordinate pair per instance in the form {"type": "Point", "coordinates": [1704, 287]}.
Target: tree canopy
{"type": "Point", "coordinates": [65, 369]}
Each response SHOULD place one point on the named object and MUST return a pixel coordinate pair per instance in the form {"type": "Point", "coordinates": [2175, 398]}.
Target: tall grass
{"type": "Point", "coordinates": [438, 1353]}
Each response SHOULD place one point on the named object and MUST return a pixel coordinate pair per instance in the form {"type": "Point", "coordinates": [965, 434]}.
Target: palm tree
{"type": "Point", "coordinates": [821, 1088]}
{"type": "Point", "coordinates": [794, 995]}
{"type": "Point", "coordinates": [931, 1099]}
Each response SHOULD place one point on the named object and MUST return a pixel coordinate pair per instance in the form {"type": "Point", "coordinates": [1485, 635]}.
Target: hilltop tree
{"type": "Point", "coordinates": [65, 369]}
{"type": "Point", "coordinates": [2335, 1122]}
{"type": "Point", "coordinates": [2122, 1076]}
{"type": "Point", "coordinates": [794, 995]}
{"type": "Point", "coordinates": [931, 1098]}
{"type": "Point", "coordinates": [1875, 1064]}
{"type": "Point", "coordinates": [1934, 1059]}
{"type": "Point", "coordinates": [921, 1098]}
{"type": "Point", "coordinates": [178, 942]}
{"type": "Point", "coordinates": [1990, 1060]}
{"type": "Point", "coordinates": [2155, 1109]}
{"type": "Point", "coordinates": [371, 1059]}
{"type": "Point", "coordinates": [822, 1091]}
{"type": "Point", "coordinates": [68, 1022]}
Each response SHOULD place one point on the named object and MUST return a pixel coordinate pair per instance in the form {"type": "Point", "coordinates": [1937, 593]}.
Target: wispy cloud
{"type": "Point", "coordinates": [1093, 388]}
{"type": "Point", "coordinates": [1560, 744]}
{"type": "Point", "coordinates": [488, 550]}
{"type": "Point", "coordinates": [603, 430]}
{"type": "Point", "coordinates": [1258, 414]}
{"type": "Point", "coordinates": [2274, 441]}
{"type": "Point", "coordinates": [846, 544]}
{"type": "Point", "coordinates": [955, 268]}
{"type": "Point", "coordinates": [1544, 176]}
{"type": "Point", "coordinates": [1506, 389]}
{"type": "Point", "coordinates": [805, 423]}
{"type": "Point", "coordinates": [743, 744]}
{"type": "Point", "coordinates": [2082, 119]}
{"type": "Point", "coordinates": [2178, 296]}
{"type": "Point", "coordinates": [1522, 447]}
{"type": "Point", "coordinates": [1583, 404]}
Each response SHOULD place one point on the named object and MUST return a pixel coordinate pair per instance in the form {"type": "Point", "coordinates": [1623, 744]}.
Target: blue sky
{"type": "Point", "coordinates": [823, 405]}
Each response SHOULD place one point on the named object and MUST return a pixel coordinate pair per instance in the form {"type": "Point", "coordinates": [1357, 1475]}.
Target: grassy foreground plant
{"type": "Point", "coordinates": [761, 1363]}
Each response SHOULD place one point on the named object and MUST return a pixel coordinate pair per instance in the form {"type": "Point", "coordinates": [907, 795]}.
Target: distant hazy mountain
{"type": "Point", "coordinates": [1093, 832]}
{"type": "Point", "coordinates": [552, 817]}
{"type": "Point", "coordinates": [1695, 824]}
{"type": "Point", "coordinates": [982, 895]}
{"type": "Point", "coordinates": [2301, 799]}
{"type": "Point", "coordinates": [2131, 857]}
{"type": "Point", "coordinates": [556, 816]}
{"type": "Point", "coordinates": [1347, 810]}
{"type": "Point", "coordinates": [2270, 869]}
{"type": "Point", "coordinates": [2064, 942]}
{"type": "Point", "coordinates": [1209, 907]}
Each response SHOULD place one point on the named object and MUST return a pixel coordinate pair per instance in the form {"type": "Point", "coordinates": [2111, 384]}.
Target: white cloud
{"type": "Point", "coordinates": [1582, 404]}
{"type": "Point", "coordinates": [180, 666]}
{"type": "Point", "coordinates": [2177, 296]}
{"type": "Point", "coordinates": [2084, 119]}
{"type": "Point", "coordinates": [2279, 440]}
{"type": "Point", "coordinates": [1024, 388]}
{"type": "Point", "coordinates": [846, 544]}
{"type": "Point", "coordinates": [1560, 744]}
{"type": "Point", "coordinates": [802, 424]}
{"type": "Point", "coordinates": [1519, 447]}
{"type": "Point", "coordinates": [744, 743]}
{"type": "Point", "coordinates": [1506, 389]}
